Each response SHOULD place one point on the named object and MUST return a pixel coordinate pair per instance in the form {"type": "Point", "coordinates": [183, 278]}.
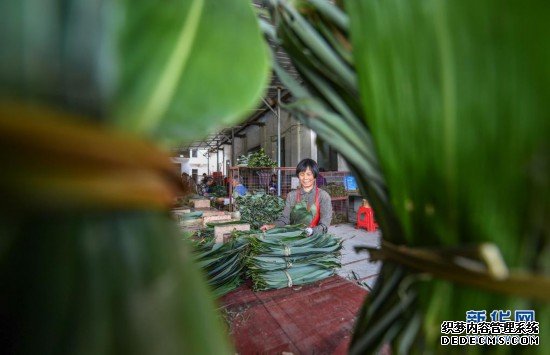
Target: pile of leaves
{"type": "Point", "coordinates": [243, 160]}
{"type": "Point", "coordinates": [335, 190]}
{"type": "Point", "coordinates": [259, 208]}
{"type": "Point", "coordinates": [286, 256]}
{"type": "Point", "coordinates": [281, 257]}
{"type": "Point", "coordinates": [222, 263]}
{"type": "Point", "coordinates": [260, 160]}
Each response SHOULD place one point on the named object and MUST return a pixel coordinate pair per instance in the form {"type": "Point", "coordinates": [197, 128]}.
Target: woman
{"type": "Point", "coordinates": [189, 185]}
{"type": "Point", "coordinates": [273, 185]}
{"type": "Point", "coordinates": [206, 187]}
{"type": "Point", "coordinates": [307, 205]}
{"type": "Point", "coordinates": [238, 188]}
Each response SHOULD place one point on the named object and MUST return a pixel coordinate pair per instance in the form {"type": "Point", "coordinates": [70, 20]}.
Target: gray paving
{"type": "Point", "coordinates": [356, 266]}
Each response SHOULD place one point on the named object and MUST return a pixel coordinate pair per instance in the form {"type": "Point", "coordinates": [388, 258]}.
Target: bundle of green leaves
{"type": "Point", "coordinates": [201, 240]}
{"type": "Point", "coordinates": [260, 160]}
{"type": "Point", "coordinates": [290, 277]}
{"type": "Point", "coordinates": [222, 263]}
{"type": "Point", "coordinates": [259, 208]}
{"type": "Point", "coordinates": [286, 256]}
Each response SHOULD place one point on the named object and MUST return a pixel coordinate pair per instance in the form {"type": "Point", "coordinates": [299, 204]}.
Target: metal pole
{"type": "Point", "coordinates": [218, 159]}
{"type": "Point", "coordinates": [279, 141]}
{"type": "Point", "coordinates": [232, 146]}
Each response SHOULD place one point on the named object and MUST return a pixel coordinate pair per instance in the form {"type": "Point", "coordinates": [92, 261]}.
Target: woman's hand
{"type": "Point", "coordinates": [266, 227]}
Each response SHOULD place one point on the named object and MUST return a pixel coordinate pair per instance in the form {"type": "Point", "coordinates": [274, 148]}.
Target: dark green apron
{"type": "Point", "coordinates": [303, 214]}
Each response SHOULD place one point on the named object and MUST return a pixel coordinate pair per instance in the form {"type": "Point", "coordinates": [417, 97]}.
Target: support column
{"type": "Point", "coordinates": [279, 141]}
{"type": "Point", "coordinates": [217, 158]}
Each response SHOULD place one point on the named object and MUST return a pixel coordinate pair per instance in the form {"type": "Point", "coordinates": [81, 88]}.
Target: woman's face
{"type": "Point", "coordinates": [306, 178]}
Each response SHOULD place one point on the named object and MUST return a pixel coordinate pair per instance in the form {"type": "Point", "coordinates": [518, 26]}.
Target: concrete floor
{"type": "Point", "coordinates": [356, 267]}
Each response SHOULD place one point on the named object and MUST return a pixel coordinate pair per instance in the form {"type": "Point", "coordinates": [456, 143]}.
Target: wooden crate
{"type": "Point", "coordinates": [212, 212]}
{"type": "Point", "coordinates": [191, 224]}
{"type": "Point", "coordinates": [200, 203]}
{"type": "Point", "coordinates": [180, 211]}
{"type": "Point", "coordinates": [222, 232]}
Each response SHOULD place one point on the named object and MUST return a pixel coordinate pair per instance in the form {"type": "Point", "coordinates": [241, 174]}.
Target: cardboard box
{"type": "Point", "coordinates": [216, 218]}
{"type": "Point", "coordinates": [200, 203]}
{"type": "Point", "coordinates": [180, 211]}
{"type": "Point", "coordinates": [197, 222]}
{"type": "Point", "coordinates": [213, 212]}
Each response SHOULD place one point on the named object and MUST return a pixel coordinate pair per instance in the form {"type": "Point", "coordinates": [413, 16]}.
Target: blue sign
{"type": "Point", "coordinates": [350, 183]}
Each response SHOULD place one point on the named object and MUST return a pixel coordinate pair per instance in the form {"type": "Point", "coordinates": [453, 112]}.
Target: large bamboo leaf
{"type": "Point", "coordinates": [97, 284]}
{"type": "Point", "coordinates": [177, 69]}
{"type": "Point", "coordinates": [210, 67]}
{"type": "Point", "coordinates": [456, 97]}
{"type": "Point", "coordinates": [460, 117]}
{"type": "Point", "coordinates": [112, 280]}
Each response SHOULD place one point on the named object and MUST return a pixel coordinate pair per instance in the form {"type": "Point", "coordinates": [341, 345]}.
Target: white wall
{"type": "Point", "coordinates": [184, 163]}
{"type": "Point", "coordinates": [342, 165]}
{"type": "Point", "coordinates": [202, 163]}
{"type": "Point", "coordinates": [298, 142]}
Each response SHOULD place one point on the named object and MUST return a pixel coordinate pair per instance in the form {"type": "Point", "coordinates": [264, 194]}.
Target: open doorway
{"type": "Point", "coordinates": [327, 157]}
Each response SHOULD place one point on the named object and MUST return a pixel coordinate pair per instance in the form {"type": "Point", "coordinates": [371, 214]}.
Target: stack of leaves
{"type": "Point", "coordinates": [201, 240]}
{"type": "Point", "coordinates": [286, 256]}
{"type": "Point", "coordinates": [335, 190]}
{"type": "Point", "coordinates": [449, 100]}
{"type": "Point", "coordinates": [260, 160]}
{"type": "Point", "coordinates": [223, 263]}
{"type": "Point", "coordinates": [259, 208]}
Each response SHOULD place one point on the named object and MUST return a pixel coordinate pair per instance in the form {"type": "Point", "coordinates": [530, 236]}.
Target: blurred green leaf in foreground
{"type": "Point", "coordinates": [90, 261]}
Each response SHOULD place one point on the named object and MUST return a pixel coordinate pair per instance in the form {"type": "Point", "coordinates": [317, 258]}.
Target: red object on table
{"type": "Point", "coordinates": [365, 219]}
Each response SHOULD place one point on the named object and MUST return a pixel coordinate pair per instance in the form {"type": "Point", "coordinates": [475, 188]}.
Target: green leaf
{"type": "Point", "coordinates": [104, 283]}
{"type": "Point", "coordinates": [176, 70]}
{"type": "Point", "coordinates": [456, 96]}
{"type": "Point", "coordinates": [196, 66]}
{"type": "Point", "coordinates": [460, 118]}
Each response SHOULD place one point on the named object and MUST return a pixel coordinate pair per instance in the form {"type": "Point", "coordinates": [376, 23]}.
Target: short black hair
{"type": "Point", "coordinates": [307, 163]}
